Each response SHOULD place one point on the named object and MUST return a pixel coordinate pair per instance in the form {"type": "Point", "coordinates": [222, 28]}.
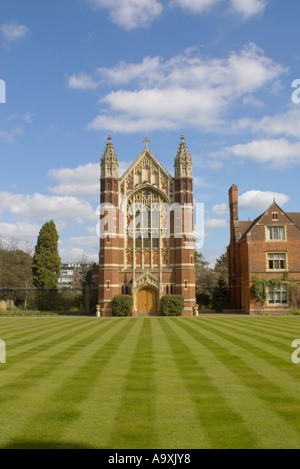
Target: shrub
{"type": "Point", "coordinates": [204, 299]}
{"type": "Point", "coordinates": [172, 305]}
{"type": "Point", "coordinates": [122, 305]}
{"type": "Point", "coordinates": [57, 300]}
{"type": "Point", "coordinates": [294, 295]}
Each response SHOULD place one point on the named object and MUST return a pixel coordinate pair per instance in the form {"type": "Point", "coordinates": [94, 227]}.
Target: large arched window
{"type": "Point", "coordinates": [144, 229]}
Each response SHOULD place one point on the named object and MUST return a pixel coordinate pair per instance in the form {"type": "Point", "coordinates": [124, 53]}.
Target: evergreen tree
{"type": "Point", "coordinates": [46, 261]}
{"type": "Point", "coordinates": [220, 295]}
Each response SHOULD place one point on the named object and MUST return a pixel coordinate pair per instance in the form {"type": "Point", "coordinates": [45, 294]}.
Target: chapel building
{"type": "Point", "coordinates": [146, 232]}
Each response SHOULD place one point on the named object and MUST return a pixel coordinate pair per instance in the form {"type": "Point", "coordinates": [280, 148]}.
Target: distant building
{"type": "Point", "coordinates": [72, 274]}
{"type": "Point", "coordinates": [145, 257]}
{"type": "Point", "coordinates": [268, 250]}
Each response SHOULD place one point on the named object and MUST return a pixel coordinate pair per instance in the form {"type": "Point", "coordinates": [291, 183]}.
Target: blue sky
{"type": "Point", "coordinates": [218, 71]}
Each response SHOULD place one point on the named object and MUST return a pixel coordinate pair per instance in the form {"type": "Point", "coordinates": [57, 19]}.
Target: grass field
{"type": "Point", "coordinates": [174, 383]}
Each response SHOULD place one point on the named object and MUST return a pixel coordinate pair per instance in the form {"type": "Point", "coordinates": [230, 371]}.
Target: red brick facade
{"type": "Point", "coordinates": [267, 248]}
{"type": "Point", "coordinates": [144, 253]}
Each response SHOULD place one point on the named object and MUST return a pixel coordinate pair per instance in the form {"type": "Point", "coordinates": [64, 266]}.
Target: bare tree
{"type": "Point", "coordinates": [13, 244]}
{"type": "Point", "coordinates": [28, 247]}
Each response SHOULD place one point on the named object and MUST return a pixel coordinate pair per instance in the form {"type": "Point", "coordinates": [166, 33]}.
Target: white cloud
{"type": "Point", "coordinates": [82, 81]}
{"type": "Point", "coordinates": [259, 200]}
{"type": "Point", "coordinates": [13, 32]}
{"type": "Point", "coordinates": [82, 181]}
{"type": "Point", "coordinates": [248, 8]}
{"type": "Point", "coordinates": [9, 136]}
{"type": "Point", "coordinates": [147, 71]}
{"type": "Point", "coordinates": [196, 6]}
{"type": "Point", "coordinates": [130, 14]}
{"type": "Point", "coordinates": [72, 254]}
{"type": "Point", "coordinates": [250, 100]}
{"type": "Point", "coordinates": [21, 230]}
{"type": "Point", "coordinates": [88, 241]}
{"type": "Point", "coordinates": [215, 165]}
{"type": "Point", "coordinates": [286, 123]}
{"type": "Point", "coordinates": [187, 89]}
{"type": "Point", "coordinates": [220, 209]}
{"type": "Point", "coordinates": [279, 153]}
{"type": "Point", "coordinates": [216, 223]}
{"type": "Point", "coordinates": [41, 207]}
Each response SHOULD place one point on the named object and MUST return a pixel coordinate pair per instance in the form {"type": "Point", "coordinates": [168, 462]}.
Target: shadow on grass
{"type": "Point", "coordinates": [22, 444]}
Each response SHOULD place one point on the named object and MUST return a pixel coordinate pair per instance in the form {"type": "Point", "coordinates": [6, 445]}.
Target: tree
{"type": "Point", "coordinates": [46, 261]}
{"type": "Point", "coordinates": [15, 275]}
{"type": "Point", "coordinates": [83, 274]}
{"type": "Point", "coordinates": [205, 280]}
{"type": "Point", "coordinates": [220, 299]}
{"type": "Point", "coordinates": [221, 267]}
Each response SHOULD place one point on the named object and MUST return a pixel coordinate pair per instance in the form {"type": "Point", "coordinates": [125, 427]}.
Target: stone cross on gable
{"type": "Point", "coordinates": [146, 141]}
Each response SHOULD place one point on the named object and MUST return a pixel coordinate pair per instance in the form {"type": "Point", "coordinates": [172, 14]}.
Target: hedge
{"type": "Point", "coordinates": [122, 305]}
{"type": "Point", "coordinates": [172, 305]}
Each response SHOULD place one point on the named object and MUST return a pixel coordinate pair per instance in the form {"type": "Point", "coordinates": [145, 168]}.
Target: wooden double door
{"type": "Point", "coordinates": [146, 301]}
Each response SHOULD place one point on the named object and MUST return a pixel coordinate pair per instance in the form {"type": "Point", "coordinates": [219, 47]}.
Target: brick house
{"type": "Point", "coordinates": [268, 249]}
{"type": "Point", "coordinates": [146, 231]}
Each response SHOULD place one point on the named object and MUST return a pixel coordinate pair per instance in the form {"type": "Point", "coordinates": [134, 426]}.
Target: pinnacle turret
{"type": "Point", "coordinates": [109, 161]}
{"type": "Point", "coordinates": [183, 161]}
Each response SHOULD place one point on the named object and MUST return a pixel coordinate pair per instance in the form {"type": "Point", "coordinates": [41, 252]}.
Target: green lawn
{"type": "Point", "coordinates": [174, 383]}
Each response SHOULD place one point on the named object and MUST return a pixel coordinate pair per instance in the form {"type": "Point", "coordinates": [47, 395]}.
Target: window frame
{"type": "Point", "coordinates": [272, 228]}
{"type": "Point", "coordinates": [274, 269]}
{"type": "Point", "coordinates": [280, 290]}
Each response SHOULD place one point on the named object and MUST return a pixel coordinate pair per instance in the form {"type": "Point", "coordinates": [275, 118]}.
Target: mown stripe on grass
{"type": "Point", "coordinates": [62, 407]}
{"type": "Point", "coordinates": [98, 412]}
{"type": "Point", "coordinates": [278, 343]}
{"type": "Point", "coordinates": [251, 371]}
{"type": "Point", "coordinates": [276, 362]}
{"type": "Point", "coordinates": [42, 342]}
{"type": "Point", "coordinates": [267, 330]}
{"type": "Point", "coordinates": [16, 334]}
{"type": "Point", "coordinates": [218, 419]}
{"type": "Point", "coordinates": [177, 424]}
{"type": "Point", "coordinates": [134, 421]}
{"type": "Point", "coordinates": [215, 354]}
{"type": "Point", "coordinates": [250, 334]}
{"type": "Point", "coordinates": [14, 385]}
{"type": "Point", "coordinates": [283, 322]}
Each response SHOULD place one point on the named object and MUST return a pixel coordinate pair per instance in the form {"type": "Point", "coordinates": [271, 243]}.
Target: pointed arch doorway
{"type": "Point", "coordinates": [146, 300]}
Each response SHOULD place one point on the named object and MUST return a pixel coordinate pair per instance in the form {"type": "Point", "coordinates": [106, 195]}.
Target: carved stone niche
{"type": "Point", "coordinates": [147, 279]}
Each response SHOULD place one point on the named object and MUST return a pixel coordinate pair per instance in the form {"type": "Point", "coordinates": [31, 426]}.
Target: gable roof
{"type": "Point", "coordinates": [246, 226]}
{"type": "Point", "coordinates": [146, 152]}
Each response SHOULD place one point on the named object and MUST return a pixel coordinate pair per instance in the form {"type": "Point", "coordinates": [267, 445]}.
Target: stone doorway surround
{"type": "Point", "coordinates": [146, 295]}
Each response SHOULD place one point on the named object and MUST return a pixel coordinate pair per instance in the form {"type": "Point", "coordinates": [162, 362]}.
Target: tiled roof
{"type": "Point", "coordinates": [244, 226]}
{"type": "Point", "coordinates": [247, 225]}
{"type": "Point", "coordinates": [295, 217]}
